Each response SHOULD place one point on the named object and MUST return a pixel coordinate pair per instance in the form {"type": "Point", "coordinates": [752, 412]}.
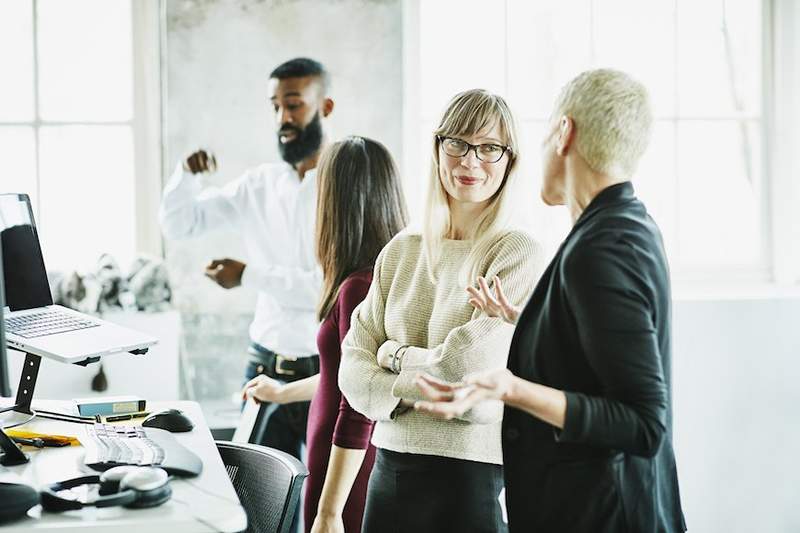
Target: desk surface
{"type": "Point", "coordinates": [205, 503]}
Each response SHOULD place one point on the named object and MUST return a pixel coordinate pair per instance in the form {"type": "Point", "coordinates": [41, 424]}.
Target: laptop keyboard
{"type": "Point", "coordinates": [46, 322]}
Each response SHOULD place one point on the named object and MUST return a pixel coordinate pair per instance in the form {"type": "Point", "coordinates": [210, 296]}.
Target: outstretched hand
{"type": "Point", "coordinates": [451, 400]}
{"type": "Point", "coordinates": [491, 304]}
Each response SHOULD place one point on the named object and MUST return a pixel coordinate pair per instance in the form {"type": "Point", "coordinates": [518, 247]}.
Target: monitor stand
{"type": "Point", "coordinates": [21, 412]}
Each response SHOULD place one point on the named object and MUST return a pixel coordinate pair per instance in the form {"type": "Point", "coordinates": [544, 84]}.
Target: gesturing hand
{"type": "Point", "coordinates": [450, 400]}
{"type": "Point", "coordinates": [263, 389]}
{"type": "Point", "coordinates": [200, 161]}
{"type": "Point", "coordinates": [486, 301]}
{"type": "Point", "coordinates": [227, 273]}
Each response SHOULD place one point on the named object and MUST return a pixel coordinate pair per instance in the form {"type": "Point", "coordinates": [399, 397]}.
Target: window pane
{"type": "Point", "coordinates": [719, 57]}
{"type": "Point", "coordinates": [85, 59]}
{"type": "Point", "coordinates": [548, 224]}
{"type": "Point", "coordinates": [656, 183]}
{"type": "Point", "coordinates": [548, 44]}
{"type": "Point", "coordinates": [462, 46]}
{"type": "Point", "coordinates": [19, 161]}
{"type": "Point", "coordinates": [16, 60]}
{"type": "Point", "coordinates": [638, 38]}
{"type": "Point", "coordinates": [719, 171]}
{"type": "Point", "coordinates": [87, 195]}
{"type": "Point", "coordinates": [416, 183]}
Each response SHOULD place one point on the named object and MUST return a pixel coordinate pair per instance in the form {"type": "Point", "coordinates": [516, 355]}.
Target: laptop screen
{"type": "Point", "coordinates": [26, 284]}
{"type": "Point", "coordinates": [4, 388]}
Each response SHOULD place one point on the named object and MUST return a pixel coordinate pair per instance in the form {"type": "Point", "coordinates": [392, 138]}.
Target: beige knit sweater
{"type": "Point", "coordinates": [448, 338]}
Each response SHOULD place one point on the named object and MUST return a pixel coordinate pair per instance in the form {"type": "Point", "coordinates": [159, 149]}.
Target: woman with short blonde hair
{"type": "Point", "coordinates": [587, 431]}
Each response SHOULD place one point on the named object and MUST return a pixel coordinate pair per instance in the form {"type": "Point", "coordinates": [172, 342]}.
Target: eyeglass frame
{"type": "Point", "coordinates": [474, 148]}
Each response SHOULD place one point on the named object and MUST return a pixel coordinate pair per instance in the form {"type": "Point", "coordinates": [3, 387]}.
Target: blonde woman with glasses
{"type": "Point", "coordinates": [431, 474]}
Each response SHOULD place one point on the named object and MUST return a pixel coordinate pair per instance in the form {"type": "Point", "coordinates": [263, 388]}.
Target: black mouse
{"type": "Point", "coordinates": [170, 419]}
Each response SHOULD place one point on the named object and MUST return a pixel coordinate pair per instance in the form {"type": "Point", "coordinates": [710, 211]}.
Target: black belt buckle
{"type": "Point", "coordinates": [280, 369]}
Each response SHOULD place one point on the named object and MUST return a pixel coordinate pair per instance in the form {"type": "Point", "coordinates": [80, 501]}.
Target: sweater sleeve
{"type": "Point", "coordinates": [622, 349]}
{"type": "Point", "coordinates": [483, 342]}
{"type": "Point", "coordinates": [353, 430]}
{"type": "Point", "coordinates": [366, 386]}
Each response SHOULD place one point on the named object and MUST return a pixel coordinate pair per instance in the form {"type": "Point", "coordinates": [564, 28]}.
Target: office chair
{"type": "Point", "coordinates": [268, 483]}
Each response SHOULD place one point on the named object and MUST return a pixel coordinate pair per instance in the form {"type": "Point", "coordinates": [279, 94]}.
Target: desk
{"type": "Point", "coordinates": [205, 503]}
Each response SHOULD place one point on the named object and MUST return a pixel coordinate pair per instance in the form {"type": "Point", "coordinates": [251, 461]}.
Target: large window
{"type": "Point", "coordinates": [67, 124]}
{"type": "Point", "coordinates": [703, 177]}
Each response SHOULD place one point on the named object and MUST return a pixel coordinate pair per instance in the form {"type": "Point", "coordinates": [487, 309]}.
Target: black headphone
{"type": "Point", "coordinates": [129, 486]}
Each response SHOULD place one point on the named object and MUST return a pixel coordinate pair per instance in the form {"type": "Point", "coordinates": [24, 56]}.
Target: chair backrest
{"type": "Point", "coordinates": [268, 483]}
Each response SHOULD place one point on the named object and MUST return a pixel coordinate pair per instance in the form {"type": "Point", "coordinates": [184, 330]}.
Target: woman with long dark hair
{"type": "Point", "coordinates": [360, 207]}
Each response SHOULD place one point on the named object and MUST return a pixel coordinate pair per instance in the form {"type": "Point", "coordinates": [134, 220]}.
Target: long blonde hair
{"type": "Point", "coordinates": [469, 113]}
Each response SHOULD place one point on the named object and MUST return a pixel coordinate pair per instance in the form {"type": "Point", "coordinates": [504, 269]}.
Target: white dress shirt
{"type": "Point", "coordinates": [274, 211]}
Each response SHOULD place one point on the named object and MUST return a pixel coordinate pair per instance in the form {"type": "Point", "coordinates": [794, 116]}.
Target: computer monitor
{"type": "Point", "coordinates": [26, 285]}
{"type": "Point", "coordinates": [5, 389]}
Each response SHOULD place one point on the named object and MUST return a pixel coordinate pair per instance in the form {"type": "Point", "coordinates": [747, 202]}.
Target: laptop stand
{"type": "Point", "coordinates": [27, 381]}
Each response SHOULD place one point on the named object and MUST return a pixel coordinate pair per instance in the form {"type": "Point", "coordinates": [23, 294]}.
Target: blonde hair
{"type": "Point", "coordinates": [612, 117]}
{"type": "Point", "coordinates": [469, 113]}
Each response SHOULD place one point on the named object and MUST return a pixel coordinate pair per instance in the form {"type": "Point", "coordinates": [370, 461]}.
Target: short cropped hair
{"type": "Point", "coordinates": [612, 117]}
{"type": "Point", "coordinates": [302, 67]}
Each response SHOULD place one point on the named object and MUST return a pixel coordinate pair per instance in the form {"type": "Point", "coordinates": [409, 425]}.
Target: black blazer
{"type": "Point", "coordinates": [598, 327]}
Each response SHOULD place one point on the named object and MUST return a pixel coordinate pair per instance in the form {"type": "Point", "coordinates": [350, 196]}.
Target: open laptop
{"type": "Point", "coordinates": [5, 388]}
{"type": "Point", "coordinates": [32, 323]}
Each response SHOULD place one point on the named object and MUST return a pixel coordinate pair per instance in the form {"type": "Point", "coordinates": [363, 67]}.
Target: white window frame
{"type": "Point", "coordinates": [783, 137]}
{"type": "Point", "coordinates": [147, 20]}
{"type": "Point", "coordinates": [145, 124]}
{"type": "Point", "coordinates": [780, 194]}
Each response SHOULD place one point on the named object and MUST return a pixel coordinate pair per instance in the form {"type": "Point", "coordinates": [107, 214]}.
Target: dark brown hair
{"type": "Point", "coordinates": [360, 207]}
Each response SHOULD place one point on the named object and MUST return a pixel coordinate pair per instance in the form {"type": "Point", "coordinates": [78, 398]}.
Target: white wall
{"type": "Point", "coordinates": [736, 386]}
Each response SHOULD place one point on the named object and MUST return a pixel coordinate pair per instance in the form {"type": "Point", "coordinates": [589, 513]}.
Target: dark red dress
{"type": "Point", "coordinates": [330, 418]}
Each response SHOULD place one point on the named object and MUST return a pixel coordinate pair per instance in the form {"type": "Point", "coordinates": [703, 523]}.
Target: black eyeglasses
{"type": "Point", "coordinates": [488, 153]}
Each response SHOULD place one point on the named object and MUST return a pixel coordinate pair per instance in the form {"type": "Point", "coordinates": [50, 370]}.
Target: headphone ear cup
{"type": "Point", "coordinates": [15, 500]}
{"type": "Point", "coordinates": [109, 480]}
{"type": "Point", "coordinates": [153, 497]}
{"type": "Point", "coordinates": [151, 486]}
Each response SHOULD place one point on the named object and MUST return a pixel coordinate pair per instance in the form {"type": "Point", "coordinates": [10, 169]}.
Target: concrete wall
{"type": "Point", "coordinates": [217, 57]}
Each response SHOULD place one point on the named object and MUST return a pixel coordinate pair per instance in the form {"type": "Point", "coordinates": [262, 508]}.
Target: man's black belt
{"type": "Point", "coordinates": [282, 366]}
